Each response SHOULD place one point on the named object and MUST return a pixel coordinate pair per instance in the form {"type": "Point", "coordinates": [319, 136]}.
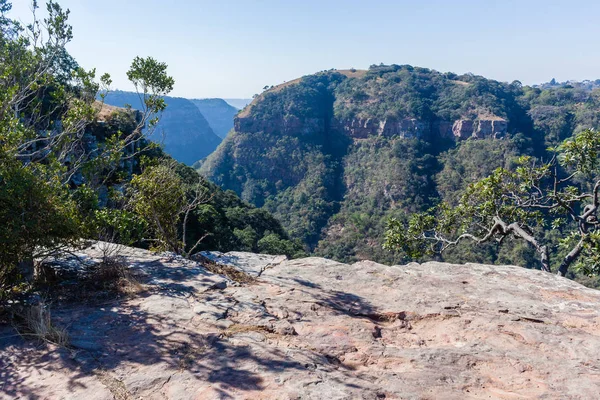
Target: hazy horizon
{"type": "Point", "coordinates": [233, 50]}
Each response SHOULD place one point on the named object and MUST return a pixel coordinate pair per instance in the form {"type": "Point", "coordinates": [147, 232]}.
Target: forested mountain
{"type": "Point", "coordinates": [218, 113]}
{"type": "Point", "coordinates": [333, 155]}
{"type": "Point", "coordinates": [184, 131]}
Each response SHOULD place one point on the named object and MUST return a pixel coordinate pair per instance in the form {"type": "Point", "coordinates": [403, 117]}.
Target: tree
{"type": "Point", "coordinates": [47, 105]}
{"type": "Point", "coordinates": [151, 83]}
{"type": "Point", "coordinates": [160, 197]}
{"type": "Point", "coordinates": [561, 194]}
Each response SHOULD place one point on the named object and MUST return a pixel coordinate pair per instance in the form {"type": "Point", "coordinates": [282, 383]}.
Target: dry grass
{"type": "Point", "coordinates": [107, 280]}
{"type": "Point", "coordinates": [241, 328]}
{"type": "Point", "coordinates": [353, 73]}
{"type": "Point", "coordinates": [114, 275]}
{"type": "Point", "coordinates": [226, 270]}
{"type": "Point", "coordinates": [36, 322]}
{"type": "Point", "coordinates": [105, 110]}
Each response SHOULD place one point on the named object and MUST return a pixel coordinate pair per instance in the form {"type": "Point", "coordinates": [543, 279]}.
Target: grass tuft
{"type": "Point", "coordinates": [36, 322]}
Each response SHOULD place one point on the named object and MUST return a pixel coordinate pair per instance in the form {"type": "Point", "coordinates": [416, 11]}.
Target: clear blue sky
{"type": "Point", "coordinates": [231, 48]}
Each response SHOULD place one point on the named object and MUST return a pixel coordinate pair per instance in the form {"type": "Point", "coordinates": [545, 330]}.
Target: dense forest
{"type": "Point", "coordinates": [334, 155]}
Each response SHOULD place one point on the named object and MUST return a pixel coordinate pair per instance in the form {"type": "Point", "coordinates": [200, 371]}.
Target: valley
{"type": "Point", "coordinates": [189, 130]}
{"type": "Point", "coordinates": [334, 155]}
{"type": "Point", "coordinates": [384, 232]}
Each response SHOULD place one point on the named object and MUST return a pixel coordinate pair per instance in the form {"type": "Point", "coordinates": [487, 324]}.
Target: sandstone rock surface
{"type": "Point", "coordinates": [317, 329]}
{"type": "Point", "coordinates": [359, 128]}
{"type": "Point", "coordinates": [483, 128]}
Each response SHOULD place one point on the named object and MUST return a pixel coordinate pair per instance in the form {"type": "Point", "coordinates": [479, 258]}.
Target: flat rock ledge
{"type": "Point", "coordinates": [317, 329]}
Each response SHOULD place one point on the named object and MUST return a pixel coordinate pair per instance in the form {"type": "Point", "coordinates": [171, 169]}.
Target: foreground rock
{"type": "Point", "coordinates": [317, 329]}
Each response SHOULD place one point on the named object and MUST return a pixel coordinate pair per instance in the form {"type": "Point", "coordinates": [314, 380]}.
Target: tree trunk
{"type": "Point", "coordinates": [569, 258]}
{"type": "Point", "coordinates": [541, 249]}
{"type": "Point", "coordinates": [544, 258]}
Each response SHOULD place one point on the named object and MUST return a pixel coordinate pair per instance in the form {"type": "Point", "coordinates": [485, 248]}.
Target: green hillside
{"type": "Point", "coordinates": [333, 155]}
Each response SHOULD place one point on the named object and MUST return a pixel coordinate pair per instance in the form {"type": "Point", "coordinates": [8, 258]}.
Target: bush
{"type": "Point", "coordinates": [37, 217]}
{"type": "Point", "coordinates": [273, 244]}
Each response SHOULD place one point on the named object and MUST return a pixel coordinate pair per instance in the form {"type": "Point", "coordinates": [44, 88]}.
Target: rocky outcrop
{"type": "Point", "coordinates": [317, 329]}
{"type": "Point", "coordinates": [362, 128]}
{"type": "Point", "coordinates": [359, 128]}
{"type": "Point", "coordinates": [463, 129]}
{"type": "Point", "coordinates": [481, 129]}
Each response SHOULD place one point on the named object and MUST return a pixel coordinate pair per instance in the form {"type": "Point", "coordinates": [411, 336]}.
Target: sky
{"type": "Point", "coordinates": [233, 48]}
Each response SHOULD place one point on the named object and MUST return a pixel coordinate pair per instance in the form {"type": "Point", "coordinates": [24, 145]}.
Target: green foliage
{"type": "Point", "coordinates": [37, 213]}
{"type": "Point", "coordinates": [521, 203]}
{"type": "Point", "coordinates": [298, 178]}
{"type": "Point", "coordinates": [273, 244]}
{"type": "Point", "coordinates": [71, 170]}
{"type": "Point", "coordinates": [150, 79]}
{"type": "Point", "coordinates": [471, 161]}
{"type": "Point", "coordinates": [383, 177]}
{"type": "Point", "coordinates": [119, 226]}
{"type": "Point", "coordinates": [159, 197]}
{"type": "Point", "coordinates": [403, 91]}
{"type": "Point", "coordinates": [37, 216]}
{"type": "Point", "coordinates": [166, 192]}
{"type": "Point", "coordinates": [247, 237]}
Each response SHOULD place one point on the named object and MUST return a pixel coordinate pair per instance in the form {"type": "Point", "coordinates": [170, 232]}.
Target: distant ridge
{"type": "Point", "coordinates": [336, 154]}
{"type": "Point", "coordinates": [238, 103]}
{"type": "Point", "coordinates": [184, 131]}
{"type": "Point", "coordinates": [218, 113]}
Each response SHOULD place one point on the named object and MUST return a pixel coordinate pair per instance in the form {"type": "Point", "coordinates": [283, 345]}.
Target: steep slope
{"type": "Point", "coordinates": [183, 130]}
{"type": "Point", "coordinates": [316, 329]}
{"type": "Point", "coordinates": [335, 154]}
{"type": "Point", "coordinates": [284, 154]}
{"type": "Point", "coordinates": [218, 113]}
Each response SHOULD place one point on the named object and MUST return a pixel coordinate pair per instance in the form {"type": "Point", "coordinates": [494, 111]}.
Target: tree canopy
{"type": "Point", "coordinates": [561, 194]}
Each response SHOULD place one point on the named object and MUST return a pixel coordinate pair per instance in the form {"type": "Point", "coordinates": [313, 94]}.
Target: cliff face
{"type": "Point", "coordinates": [313, 328]}
{"type": "Point", "coordinates": [405, 128]}
{"type": "Point", "coordinates": [410, 128]}
{"type": "Point", "coordinates": [495, 128]}
{"type": "Point", "coordinates": [358, 128]}
{"type": "Point", "coordinates": [183, 130]}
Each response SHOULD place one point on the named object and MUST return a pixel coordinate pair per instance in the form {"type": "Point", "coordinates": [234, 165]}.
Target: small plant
{"type": "Point", "coordinates": [114, 275]}
{"type": "Point", "coordinates": [36, 322]}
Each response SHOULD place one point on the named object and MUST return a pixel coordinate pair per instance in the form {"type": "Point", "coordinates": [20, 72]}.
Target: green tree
{"type": "Point", "coordinates": [273, 244]}
{"type": "Point", "coordinates": [47, 107]}
{"type": "Point", "coordinates": [161, 198]}
{"type": "Point", "coordinates": [561, 194]}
